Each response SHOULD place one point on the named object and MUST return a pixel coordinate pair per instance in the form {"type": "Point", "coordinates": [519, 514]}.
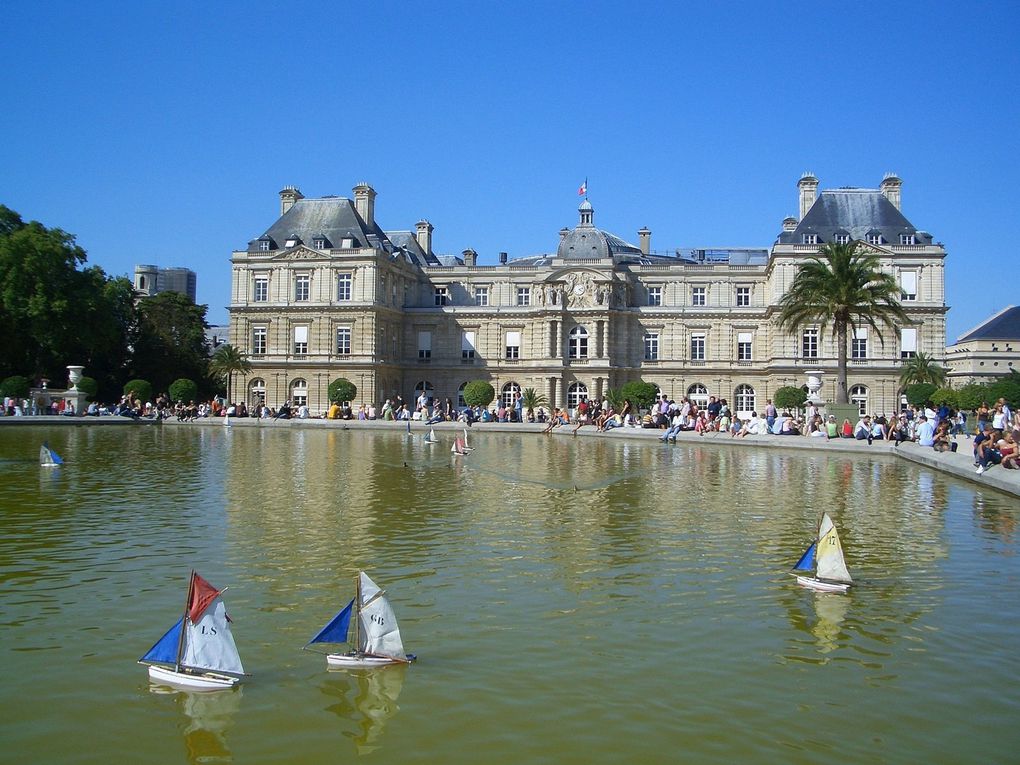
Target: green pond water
{"type": "Point", "coordinates": [570, 601]}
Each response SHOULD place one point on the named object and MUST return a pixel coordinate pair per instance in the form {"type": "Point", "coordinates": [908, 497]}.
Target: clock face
{"type": "Point", "coordinates": [579, 289]}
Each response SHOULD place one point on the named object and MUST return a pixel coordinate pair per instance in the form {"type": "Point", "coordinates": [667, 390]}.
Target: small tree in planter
{"type": "Point", "coordinates": [532, 400]}
{"type": "Point", "coordinates": [479, 393]}
{"type": "Point", "coordinates": [641, 394]}
{"type": "Point", "coordinates": [89, 386]}
{"type": "Point", "coordinates": [789, 397]}
{"type": "Point", "coordinates": [140, 389]}
{"type": "Point", "coordinates": [342, 391]}
{"type": "Point", "coordinates": [919, 394]}
{"type": "Point", "coordinates": [183, 390]}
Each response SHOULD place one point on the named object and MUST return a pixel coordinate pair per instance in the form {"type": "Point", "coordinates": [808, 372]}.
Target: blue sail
{"type": "Point", "coordinates": [807, 560]}
{"type": "Point", "coordinates": [165, 650]}
{"type": "Point", "coordinates": [54, 458]}
{"type": "Point", "coordinates": [336, 630]}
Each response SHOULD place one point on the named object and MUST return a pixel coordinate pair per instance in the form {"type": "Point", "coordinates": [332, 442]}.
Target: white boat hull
{"type": "Point", "coordinates": [818, 584]}
{"type": "Point", "coordinates": [190, 681]}
{"type": "Point", "coordinates": [360, 661]}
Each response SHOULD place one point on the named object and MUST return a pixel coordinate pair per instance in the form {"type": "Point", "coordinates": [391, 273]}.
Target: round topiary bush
{"type": "Point", "coordinates": [15, 386]}
{"type": "Point", "coordinates": [789, 397]}
{"type": "Point", "coordinates": [141, 389]}
{"type": "Point", "coordinates": [342, 391]}
{"type": "Point", "coordinates": [89, 386]}
{"type": "Point", "coordinates": [183, 390]}
{"type": "Point", "coordinates": [919, 394]}
{"type": "Point", "coordinates": [479, 393]}
{"type": "Point", "coordinates": [641, 394]}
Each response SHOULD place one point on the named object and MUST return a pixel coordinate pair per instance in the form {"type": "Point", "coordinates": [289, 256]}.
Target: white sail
{"type": "Point", "coordinates": [829, 554]}
{"type": "Point", "coordinates": [378, 633]}
{"type": "Point", "coordinates": [209, 644]}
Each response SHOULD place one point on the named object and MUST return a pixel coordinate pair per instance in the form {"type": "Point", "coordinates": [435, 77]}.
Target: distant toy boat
{"type": "Point", "coordinates": [458, 447]}
{"type": "Point", "coordinates": [198, 652]}
{"type": "Point", "coordinates": [408, 427]}
{"type": "Point", "coordinates": [376, 635]}
{"type": "Point", "coordinates": [825, 558]}
{"type": "Point", "coordinates": [48, 457]}
{"type": "Point", "coordinates": [430, 437]}
{"type": "Point", "coordinates": [465, 443]}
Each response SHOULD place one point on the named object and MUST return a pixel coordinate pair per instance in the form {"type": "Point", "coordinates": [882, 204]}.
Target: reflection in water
{"type": "Point", "coordinates": [208, 718]}
{"type": "Point", "coordinates": [365, 701]}
{"type": "Point", "coordinates": [830, 611]}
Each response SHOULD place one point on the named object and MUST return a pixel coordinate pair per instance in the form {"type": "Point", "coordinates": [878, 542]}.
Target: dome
{"type": "Point", "coordinates": [586, 241]}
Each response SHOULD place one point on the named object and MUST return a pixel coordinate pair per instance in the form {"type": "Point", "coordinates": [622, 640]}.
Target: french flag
{"type": "Point", "coordinates": [583, 189]}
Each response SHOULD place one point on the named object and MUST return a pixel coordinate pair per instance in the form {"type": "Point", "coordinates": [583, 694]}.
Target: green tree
{"type": "Point", "coordinates": [89, 386]}
{"type": "Point", "coordinates": [922, 369]}
{"type": "Point", "coordinates": [140, 389]}
{"type": "Point", "coordinates": [641, 394]}
{"type": "Point", "coordinates": [225, 363]}
{"type": "Point", "coordinates": [184, 390]}
{"type": "Point", "coordinates": [615, 398]}
{"type": "Point", "coordinates": [15, 386]}
{"type": "Point", "coordinates": [947, 396]}
{"type": "Point", "coordinates": [844, 288]}
{"type": "Point", "coordinates": [789, 397]}
{"type": "Point", "coordinates": [919, 394]}
{"type": "Point", "coordinates": [170, 340]}
{"type": "Point", "coordinates": [1005, 387]}
{"type": "Point", "coordinates": [342, 391]}
{"type": "Point", "coordinates": [479, 393]}
{"type": "Point", "coordinates": [532, 400]}
{"type": "Point", "coordinates": [970, 396]}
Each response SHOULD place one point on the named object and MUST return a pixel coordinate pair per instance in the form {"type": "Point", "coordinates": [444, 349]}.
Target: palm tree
{"type": "Point", "coordinates": [922, 369]}
{"type": "Point", "coordinates": [843, 287]}
{"type": "Point", "coordinates": [532, 400]}
{"type": "Point", "coordinates": [225, 362]}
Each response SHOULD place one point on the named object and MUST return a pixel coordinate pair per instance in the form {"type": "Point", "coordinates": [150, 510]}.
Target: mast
{"type": "Point", "coordinates": [357, 611]}
{"type": "Point", "coordinates": [184, 623]}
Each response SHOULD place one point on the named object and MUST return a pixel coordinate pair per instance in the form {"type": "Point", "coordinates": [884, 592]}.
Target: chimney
{"type": "Point", "coordinates": [563, 233]}
{"type": "Point", "coordinates": [890, 188]}
{"type": "Point", "coordinates": [470, 258]}
{"type": "Point", "coordinates": [646, 239]}
{"type": "Point", "coordinates": [364, 203]}
{"type": "Point", "coordinates": [789, 223]}
{"type": "Point", "coordinates": [808, 186]}
{"type": "Point", "coordinates": [502, 258]}
{"type": "Point", "coordinates": [288, 196]}
{"type": "Point", "coordinates": [423, 234]}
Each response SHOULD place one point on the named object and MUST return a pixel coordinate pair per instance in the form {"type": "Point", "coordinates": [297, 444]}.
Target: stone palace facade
{"type": "Point", "coordinates": [325, 293]}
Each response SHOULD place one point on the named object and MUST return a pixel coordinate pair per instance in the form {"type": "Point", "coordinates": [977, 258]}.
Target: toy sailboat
{"type": "Point", "coordinates": [458, 447]}
{"type": "Point", "coordinates": [465, 444]}
{"type": "Point", "coordinates": [825, 558]}
{"type": "Point", "coordinates": [376, 635]}
{"type": "Point", "coordinates": [198, 652]}
{"type": "Point", "coordinates": [430, 437]}
{"type": "Point", "coordinates": [48, 457]}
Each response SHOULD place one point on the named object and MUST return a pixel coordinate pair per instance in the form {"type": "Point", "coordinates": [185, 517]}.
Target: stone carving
{"type": "Point", "coordinates": [580, 290]}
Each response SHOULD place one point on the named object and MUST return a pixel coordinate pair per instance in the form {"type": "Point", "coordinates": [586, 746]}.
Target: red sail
{"type": "Point", "coordinates": [202, 594]}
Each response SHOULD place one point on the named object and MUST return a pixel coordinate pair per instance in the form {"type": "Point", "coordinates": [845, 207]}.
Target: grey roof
{"type": "Point", "coordinates": [1005, 325]}
{"type": "Point", "coordinates": [854, 211]}
{"type": "Point", "coordinates": [408, 243]}
{"type": "Point", "coordinates": [586, 241]}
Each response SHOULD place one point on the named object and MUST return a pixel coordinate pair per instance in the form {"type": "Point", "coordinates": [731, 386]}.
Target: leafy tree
{"type": "Point", "coordinates": [970, 396]}
{"type": "Point", "coordinates": [170, 340]}
{"type": "Point", "coordinates": [89, 386]}
{"type": "Point", "coordinates": [947, 396]}
{"type": "Point", "coordinates": [479, 393]}
{"type": "Point", "coordinates": [1007, 388]}
{"type": "Point", "coordinates": [844, 288]}
{"type": "Point", "coordinates": [15, 386]}
{"type": "Point", "coordinates": [919, 394]}
{"type": "Point", "coordinates": [922, 369]}
{"type": "Point", "coordinates": [225, 362]}
{"type": "Point", "coordinates": [183, 389]}
{"type": "Point", "coordinates": [342, 391]}
{"type": "Point", "coordinates": [641, 394]}
{"type": "Point", "coordinates": [615, 398]}
{"type": "Point", "coordinates": [141, 389]}
{"type": "Point", "coordinates": [789, 397]}
{"type": "Point", "coordinates": [532, 400]}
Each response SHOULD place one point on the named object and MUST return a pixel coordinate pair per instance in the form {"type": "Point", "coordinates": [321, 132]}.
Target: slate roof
{"type": "Point", "coordinates": [1005, 325]}
{"type": "Point", "coordinates": [854, 211]}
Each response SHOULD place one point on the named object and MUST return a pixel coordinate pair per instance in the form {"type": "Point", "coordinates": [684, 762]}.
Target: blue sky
{"type": "Point", "coordinates": [162, 133]}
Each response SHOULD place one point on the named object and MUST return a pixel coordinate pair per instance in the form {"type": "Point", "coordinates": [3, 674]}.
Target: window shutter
{"type": "Point", "coordinates": [301, 334]}
{"type": "Point", "coordinates": [908, 339]}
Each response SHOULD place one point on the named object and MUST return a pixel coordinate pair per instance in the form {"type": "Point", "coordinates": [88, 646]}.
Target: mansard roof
{"type": "Point", "coordinates": [854, 211]}
{"type": "Point", "coordinates": [1005, 325]}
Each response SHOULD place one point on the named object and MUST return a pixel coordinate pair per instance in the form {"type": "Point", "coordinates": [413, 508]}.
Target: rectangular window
{"type": "Point", "coordinates": [346, 243]}
{"type": "Point", "coordinates": [907, 239]}
{"type": "Point", "coordinates": [300, 341]}
{"type": "Point", "coordinates": [908, 343]}
{"type": "Point", "coordinates": [841, 238]}
{"type": "Point", "coordinates": [258, 340]}
{"type": "Point", "coordinates": [697, 296]}
{"type": "Point", "coordinates": [698, 346]}
{"type": "Point", "coordinates": [809, 238]}
{"type": "Point", "coordinates": [859, 344]}
{"type": "Point", "coordinates": [809, 344]}
{"type": "Point", "coordinates": [442, 296]}
{"type": "Point", "coordinates": [513, 345]}
{"type": "Point", "coordinates": [481, 295]}
{"type": "Point", "coordinates": [343, 286]}
{"type": "Point", "coordinates": [874, 239]}
{"type": "Point", "coordinates": [743, 297]}
{"type": "Point", "coordinates": [261, 292]}
{"type": "Point", "coordinates": [467, 348]}
{"type": "Point", "coordinates": [908, 285]}
{"type": "Point", "coordinates": [343, 341]}
{"type": "Point", "coordinates": [524, 296]}
{"type": "Point", "coordinates": [743, 346]}
{"type": "Point", "coordinates": [302, 286]}
{"type": "Point", "coordinates": [424, 346]}
{"type": "Point", "coordinates": [264, 245]}
{"type": "Point", "coordinates": [651, 346]}
{"type": "Point", "coordinates": [655, 296]}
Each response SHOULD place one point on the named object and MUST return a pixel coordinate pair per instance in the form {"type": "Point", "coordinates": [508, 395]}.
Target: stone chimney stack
{"type": "Point", "coordinates": [364, 203]}
{"type": "Point", "coordinates": [563, 233]}
{"type": "Point", "coordinates": [470, 258]}
{"type": "Point", "coordinates": [789, 224]}
{"type": "Point", "coordinates": [808, 186]}
{"type": "Point", "coordinates": [423, 234]}
{"type": "Point", "coordinates": [502, 258]}
{"type": "Point", "coordinates": [890, 188]}
{"type": "Point", "coordinates": [646, 240]}
{"type": "Point", "coordinates": [288, 196]}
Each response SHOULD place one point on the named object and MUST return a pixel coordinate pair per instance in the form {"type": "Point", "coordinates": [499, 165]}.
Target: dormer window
{"type": "Point", "coordinates": [319, 243]}
{"type": "Point", "coordinates": [907, 239]}
{"type": "Point", "coordinates": [347, 243]}
{"type": "Point", "coordinates": [292, 241]}
{"type": "Point", "coordinates": [264, 245]}
{"type": "Point", "coordinates": [874, 238]}
{"type": "Point", "coordinates": [841, 238]}
{"type": "Point", "coordinates": [809, 238]}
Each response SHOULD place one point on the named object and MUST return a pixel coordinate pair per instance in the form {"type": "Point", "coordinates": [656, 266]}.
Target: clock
{"type": "Point", "coordinates": [578, 289]}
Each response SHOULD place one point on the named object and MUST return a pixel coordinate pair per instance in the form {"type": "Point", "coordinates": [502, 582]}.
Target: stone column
{"type": "Point", "coordinates": [554, 340]}
{"type": "Point", "coordinates": [551, 392]}
{"type": "Point", "coordinates": [600, 338]}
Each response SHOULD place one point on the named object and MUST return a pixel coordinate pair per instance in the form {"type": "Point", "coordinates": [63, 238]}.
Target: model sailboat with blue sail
{"type": "Point", "coordinates": [430, 437]}
{"type": "Point", "coordinates": [198, 652]}
{"type": "Point", "coordinates": [376, 641]}
{"type": "Point", "coordinates": [824, 557]}
{"type": "Point", "coordinates": [48, 457]}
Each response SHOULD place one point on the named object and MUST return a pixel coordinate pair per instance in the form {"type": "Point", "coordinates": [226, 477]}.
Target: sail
{"type": "Point", "coordinates": [165, 650]}
{"type": "Point", "coordinates": [807, 560]}
{"type": "Point", "coordinates": [408, 426]}
{"type": "Point", "coordinates": [209, 643]}
{"type": "Point", "coordinates": [49, 457]}
{"type": "Point", "coordinates": [432, 435]}
{"type": "Point", "coordinates": [830, 561]}
{"type": "Point", "coordinates": [378, 632]}
{"type": "Point", "coordinates": [337, 629]}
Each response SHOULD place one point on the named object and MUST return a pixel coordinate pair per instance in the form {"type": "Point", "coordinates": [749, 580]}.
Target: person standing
{"type": "Point", "coordinates": [770, 413]}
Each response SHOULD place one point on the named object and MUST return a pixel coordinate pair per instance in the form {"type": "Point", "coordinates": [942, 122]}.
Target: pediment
{"type": "Point", "coordinates": [301, 252]}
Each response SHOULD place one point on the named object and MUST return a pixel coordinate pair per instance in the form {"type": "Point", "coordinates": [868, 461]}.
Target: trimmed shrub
{"type": "Point", "coordinates": [479, 393]}
{"type": "Point", "coordinates": [342, 391]}
{"type": "Point", "coordinates": [142, 390]}
{"type": "Point", "coordinates": [89, 386]}
{"type": "Point", "coordinates": [919, 394]}
{"type": "Point", "coordinates": [641, 394]}
{"type": "Point", "coordinates": [947, 396]}
{"type": "Point", "coordinates": [184, 390]}
{"type": "Point", "coordinates": [15, 386]}
{"type": "Point", "coordinates": [789, 397]}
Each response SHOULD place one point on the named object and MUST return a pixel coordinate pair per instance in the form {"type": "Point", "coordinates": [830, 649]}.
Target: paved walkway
{"type": "Point", "coordinates": [959, 464]}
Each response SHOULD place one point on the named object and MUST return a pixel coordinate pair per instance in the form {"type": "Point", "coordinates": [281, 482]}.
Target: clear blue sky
{"type": "Point", "coordinates": [162, 133]}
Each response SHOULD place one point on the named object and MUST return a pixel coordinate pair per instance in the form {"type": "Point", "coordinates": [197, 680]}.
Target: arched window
{"type": "Point", "coordinates": [577, 343]}
{"type": "Point", "coordinates": [510, 393]}
{"type": "Point", "coordinates": [423, 386]}
{"type": "Point", "coordinates": [743, 398]}
{"type": "Point", "coordinates": [698, 394]}
{"type": "Point", "coordinates": [576, 393]}
{"type": "Point", "coordinates": [299, 392]}
{"type": "Point", "coordinates": [461, 403]}
{"type": "Point", "coordinates": [257, 391]}
{"type": "Point", "coordinates": [859, 397]}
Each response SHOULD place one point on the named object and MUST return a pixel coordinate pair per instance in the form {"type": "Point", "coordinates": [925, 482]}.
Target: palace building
{"type": "Point", "coordinates": [326, 293]}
